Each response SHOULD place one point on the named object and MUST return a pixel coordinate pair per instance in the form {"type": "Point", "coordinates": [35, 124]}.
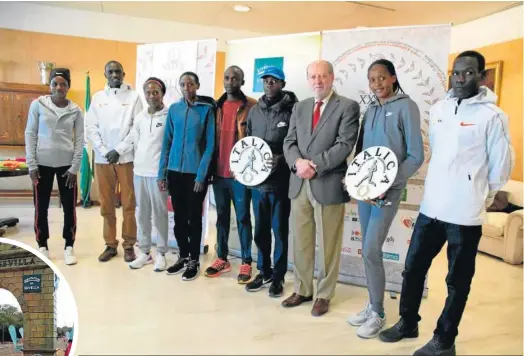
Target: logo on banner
{"type": "Point", "coordinates": [248, 160]}
{"type": "Point", "coordinates": [390, 240]}
{"type": "Point", "coordinates": [408, 222]}
{"type": "Point", "coordinates": [360, 251]}
{"type": "Point", "coordinates": [346, 250]}
{"type": "Point", "coordinates": [351, 215]}
{"type": "Point", "coordinates": [356, 236]}
{"type": "Point", "coordinates": [391, 256]}
{"type": "Point", "coordinates": [371, 173]}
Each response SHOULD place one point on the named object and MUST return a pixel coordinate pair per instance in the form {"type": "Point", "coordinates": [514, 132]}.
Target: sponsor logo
{"type": "Point", "coordinates": [351, 215]}
{"type": "Point", "coordinates": [356, 236]}
{"type": "Point", "coordinates": [346, 250]}
{"type": "Point", "coordinates": [464, 124]}
{"type": "Point", "coordinates": [359, 251]}
{"type": "Point", "coordinates": [391, 256]}
{"type": "Point", "coordinates": [408, 222]}
{"type": "Point", "coordinates": [390, 240]}
{"type": "Point", "coordinates": [282, 124]}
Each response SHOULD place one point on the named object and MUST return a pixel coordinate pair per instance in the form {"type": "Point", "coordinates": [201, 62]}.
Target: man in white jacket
{"type": "Point", "coordinates": [471, 160]}
{"type": "Point", "coordinates": [109, 121]}
{"type": "Point", "coordinates": [146, 139]}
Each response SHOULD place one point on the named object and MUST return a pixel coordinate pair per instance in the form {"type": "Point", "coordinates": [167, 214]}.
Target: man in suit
{"type": "Point", "coordinates": [321, 136]}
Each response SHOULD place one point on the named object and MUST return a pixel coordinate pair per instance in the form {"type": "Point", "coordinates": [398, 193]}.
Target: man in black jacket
{"type": "Point", "coordinates": [269, 120]}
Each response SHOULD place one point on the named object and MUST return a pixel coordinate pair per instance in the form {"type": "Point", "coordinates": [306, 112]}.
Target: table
{"type": "Point", "coordinates": [5, 173]}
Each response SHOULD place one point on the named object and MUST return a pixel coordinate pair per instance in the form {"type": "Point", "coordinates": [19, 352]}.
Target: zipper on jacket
{"type": "Point", "coordinates": [183, 140]}
{"type": "Point", "coordinates": [151, 125]}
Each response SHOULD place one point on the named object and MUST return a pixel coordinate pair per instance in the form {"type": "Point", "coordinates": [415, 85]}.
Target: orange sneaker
{"type": "Point", "coordinates": [244, 276]}
{"type": "Point", "coordinates": [218, 267]}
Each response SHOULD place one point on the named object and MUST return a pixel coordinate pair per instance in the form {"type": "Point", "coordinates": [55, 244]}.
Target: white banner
{"type": "Point", "coordinates": [168, 61]}
{"type": "Point", "coordinates": [420, 56]}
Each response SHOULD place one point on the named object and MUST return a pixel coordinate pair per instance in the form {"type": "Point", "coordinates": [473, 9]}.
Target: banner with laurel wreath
{"type": "Point", "coordinates": [420, 57]}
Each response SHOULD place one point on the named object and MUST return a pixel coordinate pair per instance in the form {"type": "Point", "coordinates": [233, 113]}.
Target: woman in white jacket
{"type": "Point", "coordinates": [146, 140]}
{"type": "Point", "coordinates": [54, 138]}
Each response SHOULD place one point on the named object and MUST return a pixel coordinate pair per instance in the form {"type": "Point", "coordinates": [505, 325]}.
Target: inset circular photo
{"type": "Point", "coordinates": [38, 313]}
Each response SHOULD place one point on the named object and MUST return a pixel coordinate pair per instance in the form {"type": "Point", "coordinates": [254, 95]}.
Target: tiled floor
{"type": "Point", "coordinates": [122, 311]}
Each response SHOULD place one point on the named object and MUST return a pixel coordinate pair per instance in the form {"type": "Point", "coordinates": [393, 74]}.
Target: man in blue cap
{"type": "Point", "coordinates": [269, 120]}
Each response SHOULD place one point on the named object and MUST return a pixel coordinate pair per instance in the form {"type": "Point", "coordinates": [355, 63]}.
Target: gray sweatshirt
{"type": "Point", "coordinates": [396, 125]}
{"type": "Point", "coordinates": [54, 137]}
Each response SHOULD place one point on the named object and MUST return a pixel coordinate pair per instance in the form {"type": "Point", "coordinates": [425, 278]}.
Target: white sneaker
{"type": "Point", "coordinates": [69, 256]}
{"type": "Point", "coordinates": [160, 263]}
{"type": "Point", "coordinates": [44, 251]}
{"type": "Point", "coordinates": [360, 318]}
{"type": "Point", "coordinates": [372, 326]}
{"type": "Point", "coordinates": [142, 260]}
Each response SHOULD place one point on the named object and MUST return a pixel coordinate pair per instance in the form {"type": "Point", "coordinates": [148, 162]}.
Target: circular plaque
{"type": "Point", "coordinates": [247, 160]}
{"type": "Point", "coordinates": [371, 173]}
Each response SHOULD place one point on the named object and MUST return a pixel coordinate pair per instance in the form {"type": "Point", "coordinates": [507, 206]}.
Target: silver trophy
{"type": "Point", "coordinates": [45, 71]}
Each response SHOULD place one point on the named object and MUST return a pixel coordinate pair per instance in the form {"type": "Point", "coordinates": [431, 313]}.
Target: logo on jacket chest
{"type": "Point", "coordinates": [248, 160]}
{"type": "Point", "coordinates": [371, 173]}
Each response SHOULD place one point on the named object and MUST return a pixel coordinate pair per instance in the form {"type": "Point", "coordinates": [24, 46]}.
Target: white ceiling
{"type": "Point", "coordinates": [296, 17]}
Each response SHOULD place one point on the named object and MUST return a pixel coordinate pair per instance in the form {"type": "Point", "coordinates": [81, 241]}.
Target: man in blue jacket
{"type": "Point", "coordinates": [472, 159]}
{"type": "Point", "coordinates": [269, 120]}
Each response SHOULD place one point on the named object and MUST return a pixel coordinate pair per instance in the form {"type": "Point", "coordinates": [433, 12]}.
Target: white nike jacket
{"type": "Point", "coordinates": [110, 119]}
{"type": "Point", "coordinates": [471, 158]}
{"type": "Point", "coordinates": [146, 139]}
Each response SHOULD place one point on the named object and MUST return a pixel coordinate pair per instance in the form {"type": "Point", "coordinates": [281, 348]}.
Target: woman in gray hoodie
{"type": "Point", "coordinates": [54, 142]}
{"type": "Point", "coordinates": [392, 121]}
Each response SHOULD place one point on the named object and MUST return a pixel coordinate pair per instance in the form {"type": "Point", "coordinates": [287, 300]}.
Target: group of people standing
{"type": "Point", "coordinates": [179, 151]}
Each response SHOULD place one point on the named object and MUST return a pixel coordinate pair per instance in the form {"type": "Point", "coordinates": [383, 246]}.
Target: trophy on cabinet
{"type": "Point", "coordinates": [45, 71]}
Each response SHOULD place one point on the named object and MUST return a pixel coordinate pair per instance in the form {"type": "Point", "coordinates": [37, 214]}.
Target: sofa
{"type": "Point", "coordinates": [502, 229]}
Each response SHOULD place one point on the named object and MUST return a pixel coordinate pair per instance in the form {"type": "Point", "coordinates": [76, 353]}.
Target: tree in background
{"type": "Point", "coordinates": [10, 315]}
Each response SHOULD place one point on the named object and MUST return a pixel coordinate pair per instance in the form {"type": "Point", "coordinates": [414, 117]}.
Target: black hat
{"type": "Point", "coordinates": [61, 72]}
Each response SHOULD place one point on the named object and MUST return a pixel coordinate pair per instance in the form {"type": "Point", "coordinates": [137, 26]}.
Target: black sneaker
{"type": "Point", "coordinates": [258, 283]}
{"type": "Point", "coordinates": [276, 289]}
{"type": "Point", "coordinates": [435, 346]}
{"type": "Point", "coordinates": [398, 332]}
{"type": "Point", "coordinates": [178, 267]}
{"type": "Point", "coordinates": [192, 270]}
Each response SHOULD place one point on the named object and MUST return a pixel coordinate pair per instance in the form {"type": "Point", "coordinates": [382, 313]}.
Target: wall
{"type": "Point", "coordinates": [21, 50]}
{"type": "Point", "coordinates": [48, 19]}
{"type": "Point", "coordinates": [510, 53]}
{"type": "Point", "coordinates": [500, 39]}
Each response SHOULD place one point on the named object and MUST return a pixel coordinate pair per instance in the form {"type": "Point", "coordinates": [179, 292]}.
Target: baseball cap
{"type": "Point", "coordinates": [273, 72]}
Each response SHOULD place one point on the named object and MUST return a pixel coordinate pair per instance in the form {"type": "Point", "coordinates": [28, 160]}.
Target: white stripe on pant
{"type": "Point", "coordinates": [151, 205]}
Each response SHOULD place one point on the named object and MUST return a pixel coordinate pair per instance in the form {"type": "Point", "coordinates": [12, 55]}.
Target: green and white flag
{"type": "Point", "coordinates": [86, 172]}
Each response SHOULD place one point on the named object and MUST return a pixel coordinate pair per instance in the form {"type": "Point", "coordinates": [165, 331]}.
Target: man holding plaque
{"type": "Point", "coordinates": [321, 136]}
{"type": "Point", "coordinates": [269, 120]}
{"type": "Point", "coordinates": [231, 122]}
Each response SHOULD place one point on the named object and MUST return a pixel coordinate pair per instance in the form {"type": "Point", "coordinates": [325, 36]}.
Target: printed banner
{"type": "Point", "coordinates": [168, 61]}
{"type": "Point", "coordinates": [260, 65]}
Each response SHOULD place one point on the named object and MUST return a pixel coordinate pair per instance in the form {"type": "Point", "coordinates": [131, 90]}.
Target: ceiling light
{"type": "Point", "coordinates": [241, 8]}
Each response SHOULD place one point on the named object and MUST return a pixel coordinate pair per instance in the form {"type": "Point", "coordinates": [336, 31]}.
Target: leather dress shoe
{"type": "Point", "coordinates": [295, 300]}
{"type": "Point", "coordinates": [320, 307]}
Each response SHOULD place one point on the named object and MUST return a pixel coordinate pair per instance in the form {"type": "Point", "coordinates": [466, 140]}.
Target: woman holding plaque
{"type": "Point", "coordinates": [187, 149]}
{"type": "Point", "coordinates": [392, 121]}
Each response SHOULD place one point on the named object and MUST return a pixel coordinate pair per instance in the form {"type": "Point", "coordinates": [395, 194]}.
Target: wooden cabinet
{"type": "Point", "coordinates": [15, 100]}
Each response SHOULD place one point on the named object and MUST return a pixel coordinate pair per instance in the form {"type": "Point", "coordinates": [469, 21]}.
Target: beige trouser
{"type": "Point", "coordinates": [107, 176]}
{"type": "Point", "coordinates": [328, 221]}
